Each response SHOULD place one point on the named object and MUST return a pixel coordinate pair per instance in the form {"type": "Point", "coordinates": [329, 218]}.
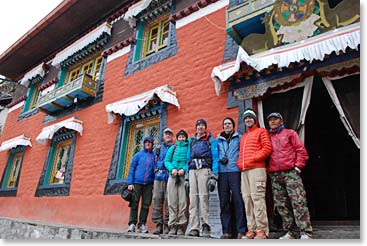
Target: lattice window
{"type": "Point", "coordinates": [137, 130]}
{"type": "Point", "coordinates": [14, 170]}
{"type": "Point", "coordinates": [91, 67]}
{"type": "Point", "coordinates": [60, 162]}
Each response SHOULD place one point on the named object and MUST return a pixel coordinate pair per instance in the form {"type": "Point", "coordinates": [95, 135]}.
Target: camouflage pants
{"type": "Point", "coordinates": [290, 200]}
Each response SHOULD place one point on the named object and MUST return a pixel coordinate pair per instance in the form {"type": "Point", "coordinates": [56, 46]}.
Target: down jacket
{"type": "Point", "coordinates": [142, 168]}
{"type": "Point", "coordinates": [177, 158]}
{"type": "Point", "coordinates": [288, 151]}
{"type": "Point", "coordinates": [255, 147]}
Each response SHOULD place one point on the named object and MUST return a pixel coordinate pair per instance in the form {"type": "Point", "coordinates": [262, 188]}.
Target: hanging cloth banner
{"type": "Point", "coordinates": [48, 132]}
{"type": "Point", "coordinates": [21, 140]}
{"type": "Point", "coordinates": [314, 48]}
{"type": "Point", "coordinates": [132, 105]}
{"type": "Point", "coordinates": [330, 88]}
{"type": "Point", "coordinates": [134, 10]}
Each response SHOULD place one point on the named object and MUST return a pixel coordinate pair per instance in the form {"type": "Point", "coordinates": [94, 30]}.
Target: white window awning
{"type": "Point", "coordinates": [132, 105]}
{"type": "Point", "coordinates": [314, 48]}
{"type": "Point", "coordinates": [48, 132]}
{"type": "Point", "coordinates": [134, 10]}
{"type": "Point", "coordinates": [81, 43]}
{"type": "Point", "coordinates": [21, 140]}
{"type": "Point", "coordinates": [32, 73]}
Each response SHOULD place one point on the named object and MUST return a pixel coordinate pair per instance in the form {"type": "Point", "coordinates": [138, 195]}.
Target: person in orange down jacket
{"type": "Point", "coordinates": [255, 147]}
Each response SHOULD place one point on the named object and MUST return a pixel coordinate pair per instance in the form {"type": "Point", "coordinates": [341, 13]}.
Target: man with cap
{"type": "Point", "coordinates": [140, 181]}
{"type": "Point", "coordinates": [176, 164]}
{"type": "Point", "coordinates": [160, 206]}
{"type": "Point", "coordinates": [289, 156]}
{"type": "Point", "coordinates": [255, 147]}
{"type": "Point", "coordinates": [203, 163]}
{"type": "Point", "coordinates": [229, 183]}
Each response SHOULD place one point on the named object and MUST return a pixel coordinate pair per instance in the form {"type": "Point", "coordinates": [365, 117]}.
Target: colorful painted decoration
{"type": "Point", "coordinates": [299, 32]}
{"type": "Point", "coordinates": [292, 12]}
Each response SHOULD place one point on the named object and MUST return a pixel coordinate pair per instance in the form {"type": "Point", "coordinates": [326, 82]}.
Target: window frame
{"type": "Point", "coordinates": [159, 24]}
{"type": "Point", "coordinates": [45, 188]}
{"type": "Point", "coordinates": [5, 189]}
{"type": "Point", "coordinates": [79, 68]}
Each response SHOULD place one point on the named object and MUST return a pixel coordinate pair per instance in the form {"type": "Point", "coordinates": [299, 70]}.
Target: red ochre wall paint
{"type": "Point", "coordinates": [200, 49]}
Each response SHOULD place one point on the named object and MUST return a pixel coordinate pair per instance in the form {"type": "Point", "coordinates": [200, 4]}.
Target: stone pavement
{"type": "Point", "coordinates": [16, 229]}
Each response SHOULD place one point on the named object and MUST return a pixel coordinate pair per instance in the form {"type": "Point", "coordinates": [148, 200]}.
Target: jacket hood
{"type": "Point", "coordinates": [148, 138]}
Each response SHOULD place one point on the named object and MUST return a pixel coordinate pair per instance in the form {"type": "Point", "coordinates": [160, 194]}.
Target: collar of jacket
{"type": "Point", "coordinates": [281, 127]}
{"type": "Point", "coordinates": [221, 135]}
{"type": "Point", "coordinates": [205, 137]}
{"type": "Point", "coordinates": [253, 128]}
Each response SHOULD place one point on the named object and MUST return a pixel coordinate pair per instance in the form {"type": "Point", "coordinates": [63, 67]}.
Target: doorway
{"type": "Point", "coordinates": [332, 174]}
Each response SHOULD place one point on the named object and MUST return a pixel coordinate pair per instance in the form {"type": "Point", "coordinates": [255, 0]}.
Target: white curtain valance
{"type": "Point", "coordinates": [31, 74]}
{"type": "Point", "coordinates": [132, 105]}
{"type": "Point", "coordinates": [14, 142]}
{"type": "Point", "coordinates": [48, 132]}
{"type": "Point", "coordinates": [134, 10]}
{"type": "Point", "coordinates": [312, 48]}
{"type": "Point", "coordinates": [81, 43]}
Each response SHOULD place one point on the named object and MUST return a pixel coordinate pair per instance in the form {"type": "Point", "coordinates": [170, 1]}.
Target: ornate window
{"type": "Point", "coordinates": [56, 174]}
{"type": "Point", "coordinates": [149, 121]}
{"type": "Point", "coordinates": [33, 93]}
{"type": "Point", "coordinates": [91, 67]}
{"type": "Point", "coordinates": [156, 36]}
{"type": "Point", "coordinates": [10, 179]}
{"type": "Point", "coordinates": [137, 130]}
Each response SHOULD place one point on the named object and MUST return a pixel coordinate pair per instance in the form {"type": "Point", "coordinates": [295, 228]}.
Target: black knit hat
{"type": "Point", "coordinates": [201, 121]}
{"type": "Point", "coordinates": [182, 132]}
{"type": "Point", "coordinates": [229, 118]}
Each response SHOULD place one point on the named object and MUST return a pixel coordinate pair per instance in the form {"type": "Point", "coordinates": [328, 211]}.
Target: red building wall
{"type": "Point", "coordinates": [200, 48]}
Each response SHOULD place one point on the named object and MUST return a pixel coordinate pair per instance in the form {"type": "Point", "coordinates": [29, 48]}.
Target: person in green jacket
{"type": "Point", "coordinates": [176, 164]}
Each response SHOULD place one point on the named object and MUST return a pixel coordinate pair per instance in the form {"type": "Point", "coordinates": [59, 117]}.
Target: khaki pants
{"type": "Point", "coordinates": [199, 197]}
{"type": "Point", "coordinates": [160, 205]}
{"type": "Point", "coordinates": [253, 187]}
{"type": "Point", "coordinates": [176, 201]}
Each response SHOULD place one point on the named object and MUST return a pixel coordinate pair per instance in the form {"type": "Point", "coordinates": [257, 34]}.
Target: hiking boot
{"type": "Point", "coordinates": [165, 229]}
{"type": "Point", "coordinates": [305, 235]}
{"type": "Point", "coordinates": [180, 232]}
{"type": "Point", "coordinates": [260, 235]}
{"type": "Point", "coordinates": [288, 235]}
{"type": "Point", "coordinates": [206, 230]}
{"type": "Point", "coordinates": [226, 236]}
{"type": "Point", "coordinates": [173, 230]}
{"type": "Point", "coordinates": [131, 228]}
{"type": "Point", "coordinates": [194, 233]}
{"type": "Point", "coordinates": [143, 228]}
{"type": "Point", "coordinates": [158, 229]}
{"type": "Point", "coordinates": [249, 235]}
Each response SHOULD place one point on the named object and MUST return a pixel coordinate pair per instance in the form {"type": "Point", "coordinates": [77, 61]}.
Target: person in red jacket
{"type": "Point", "coordinates": [255, 147]}
{"type": "Point", "coordinates": [289, 156]}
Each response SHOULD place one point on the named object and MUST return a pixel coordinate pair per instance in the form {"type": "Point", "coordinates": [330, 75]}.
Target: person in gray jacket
{"type": "Point", "coordinates": [229, 182]}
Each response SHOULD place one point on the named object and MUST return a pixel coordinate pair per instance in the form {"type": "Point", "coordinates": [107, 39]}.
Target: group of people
{"type": "Point", "coordinates": [239, 164]}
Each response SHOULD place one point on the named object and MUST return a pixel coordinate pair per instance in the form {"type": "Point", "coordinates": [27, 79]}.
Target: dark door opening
{"type": "Point", "coordinates": [332, 174]}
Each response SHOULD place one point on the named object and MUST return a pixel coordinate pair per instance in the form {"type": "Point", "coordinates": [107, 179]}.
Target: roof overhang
{"type": "Point", "coordinates": [67, 22]}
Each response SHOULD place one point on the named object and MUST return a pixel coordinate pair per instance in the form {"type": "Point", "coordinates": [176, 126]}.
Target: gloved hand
{"type": "Point", "coordinates": [212, 182]}
{"type": "Point", "coordinates": [187, 184]}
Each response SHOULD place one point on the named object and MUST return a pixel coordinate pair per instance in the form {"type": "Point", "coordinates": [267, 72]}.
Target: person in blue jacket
{"type": "Point", "coordinates": [229, 182]}
{"type": "Point", "coordinates": [203, 163]}
{"type": "Point", "coordinates": [160, 205]}
{"type": "Point", "coordinates": [140, 181]}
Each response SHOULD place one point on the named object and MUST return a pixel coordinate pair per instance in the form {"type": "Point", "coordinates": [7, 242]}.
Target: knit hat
{"type": "Point", "coordinates": [249, 112]}
{"type": "Point", "coordinates": [182, 132]}
{"type": "Point", "coordinates": [276, 115]}
{"type": "Point", "coordinates": [201, 121]}
{"type": "Point", "coordinates": [229, 118]}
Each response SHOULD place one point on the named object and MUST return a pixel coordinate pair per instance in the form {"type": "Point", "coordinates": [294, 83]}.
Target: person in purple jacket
{"type": "Point", "coordinates": [140, 181]}
{"type": "Point", "coordinates": [289, 156]}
